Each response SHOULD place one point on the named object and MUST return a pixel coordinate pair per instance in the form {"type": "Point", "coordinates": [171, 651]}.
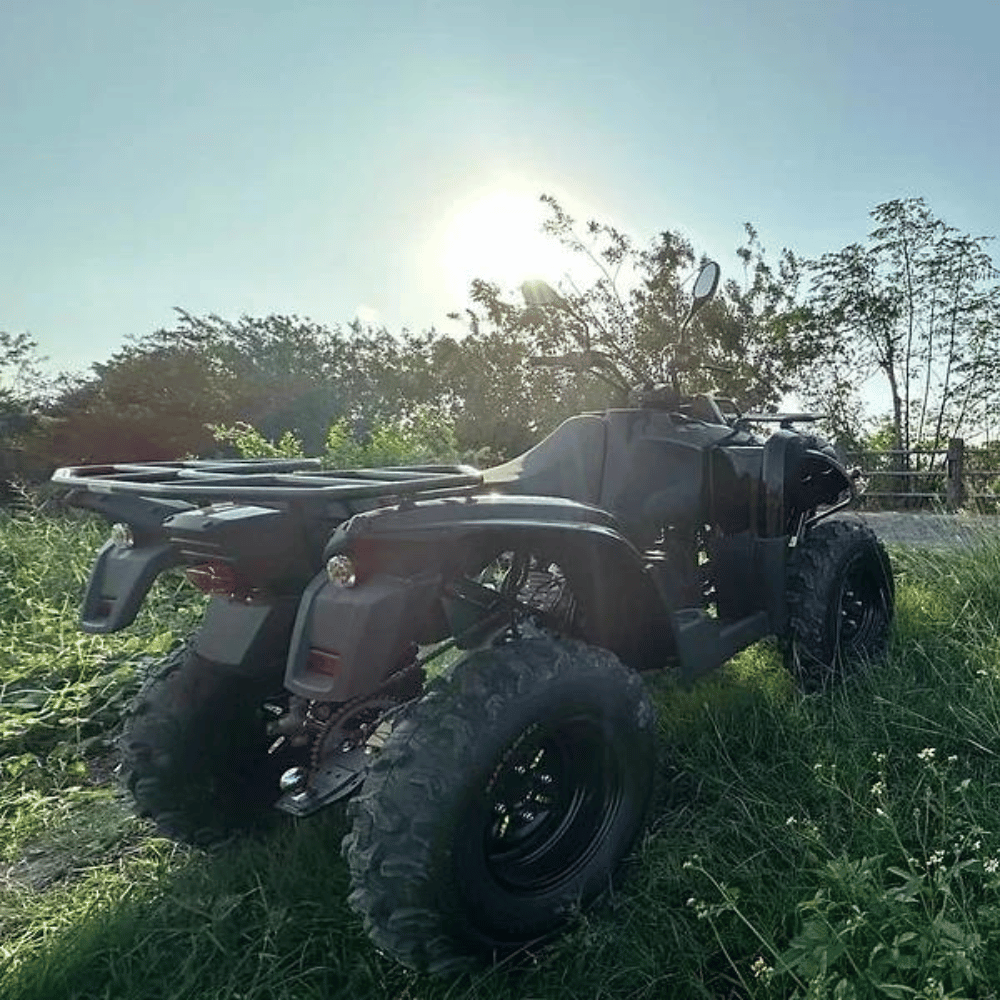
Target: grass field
{"type": "Point", "coordinates": [843, 845]}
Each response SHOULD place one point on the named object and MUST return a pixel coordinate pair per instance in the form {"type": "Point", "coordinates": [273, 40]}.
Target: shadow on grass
{"type": "Point", "coordinates": [258, 919]}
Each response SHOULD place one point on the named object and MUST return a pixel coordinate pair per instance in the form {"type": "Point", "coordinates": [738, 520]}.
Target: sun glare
{"type": "Point", "coordinates": [497, 236]}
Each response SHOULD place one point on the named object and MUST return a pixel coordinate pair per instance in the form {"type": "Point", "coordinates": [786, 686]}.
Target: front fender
{"type": "Point", "coordinates": [796, 479]}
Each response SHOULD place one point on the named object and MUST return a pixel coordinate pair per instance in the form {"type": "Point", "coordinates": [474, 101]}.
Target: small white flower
{"type": "Point", "coordinates": [878, 789]}
{"type": "Point", "coordinates": [992, 866]}
{"type": "Point", "coordinates": [936, 858]}
{"type": "Point", "coordinates": [927, 754]}
{"type": "Point", "coordinates": [760, 968]}
{"type": "Point", "coordinates": [952, 759]}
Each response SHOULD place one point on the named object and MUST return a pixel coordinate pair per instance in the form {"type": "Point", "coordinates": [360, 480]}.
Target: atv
{"type": "Point", "coordinates": [459, 652]}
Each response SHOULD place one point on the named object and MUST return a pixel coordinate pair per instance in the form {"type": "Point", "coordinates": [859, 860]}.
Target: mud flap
{"type": "Point", "coordinates": [242, 636]}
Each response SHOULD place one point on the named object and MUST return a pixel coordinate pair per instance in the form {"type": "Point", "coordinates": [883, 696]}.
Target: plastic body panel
{"type": "Point", "coordinates": [366, 631]}
{"type": "Point", "coordinates": [119, 581]}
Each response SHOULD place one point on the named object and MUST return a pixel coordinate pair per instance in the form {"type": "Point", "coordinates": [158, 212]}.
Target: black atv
{"type": "Point", "coordinates": [494, 800]}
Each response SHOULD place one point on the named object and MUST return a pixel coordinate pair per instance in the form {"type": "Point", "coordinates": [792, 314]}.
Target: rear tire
{"type": "Point", "coordinates": [502, 803]}
{"type": "Point", "coordinates": [194, 750]}
{"type": "Point", "coordinates": [841, 600]}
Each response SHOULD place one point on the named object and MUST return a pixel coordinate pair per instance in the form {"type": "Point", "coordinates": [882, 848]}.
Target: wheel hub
{"type": "Point", "coordinates": [551, 800]}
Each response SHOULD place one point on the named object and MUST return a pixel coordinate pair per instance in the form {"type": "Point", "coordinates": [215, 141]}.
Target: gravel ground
{"type": "Point", "coordinates": [931, 530]}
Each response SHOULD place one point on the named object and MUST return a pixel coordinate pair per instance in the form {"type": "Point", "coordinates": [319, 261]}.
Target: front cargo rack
{"type": "Point", "coordinates": [265, 480]}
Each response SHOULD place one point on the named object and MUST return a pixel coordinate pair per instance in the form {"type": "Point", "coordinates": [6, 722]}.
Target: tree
{"type": "Point", "coordinates": [144, 404]}
{"type": "Point", "coordinates": [22, 385]}
{"type": "Point", "coordinates": [499, 403]}
{"type": "Point", "coordinates": [159, 396]}
{"type": "Point", "coordinates": [748, 344]}
{"type": "Point", "coordinates": [917, 305]}
{"type": "Point", "coordinates": [23, 392]}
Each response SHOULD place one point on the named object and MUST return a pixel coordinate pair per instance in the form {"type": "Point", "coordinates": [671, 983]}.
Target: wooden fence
{"type": "Point", "coordinates": [959, 476]}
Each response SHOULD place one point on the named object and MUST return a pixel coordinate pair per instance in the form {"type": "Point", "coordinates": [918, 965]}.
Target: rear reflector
{"type": "Point", "coordinates": [322, 661]}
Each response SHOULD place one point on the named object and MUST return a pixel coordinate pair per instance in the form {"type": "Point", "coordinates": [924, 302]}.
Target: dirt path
{"type": "Point", "coordinates": [933, 530]}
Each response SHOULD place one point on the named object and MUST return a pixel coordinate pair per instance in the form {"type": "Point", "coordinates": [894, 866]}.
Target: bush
{"type": "Point", "coordinates": [420, 437]}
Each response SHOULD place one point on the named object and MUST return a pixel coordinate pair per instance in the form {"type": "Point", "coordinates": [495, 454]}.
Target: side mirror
{"type": "Point", "coordinates": [704, 288]}
{"type": "Point", "coordinates": [705, 284]}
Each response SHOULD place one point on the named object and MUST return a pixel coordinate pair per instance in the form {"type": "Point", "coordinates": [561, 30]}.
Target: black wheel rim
{"type": "Point", "coordinates": [552, 799]}
{"type": "Point", "coordinates": [862, 608]}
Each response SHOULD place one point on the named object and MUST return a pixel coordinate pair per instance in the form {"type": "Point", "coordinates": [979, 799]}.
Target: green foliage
{"type": "Point", "coordinates": [22, 384]}
{"type": "Point", "coordinates": [421, 437]}
{"type": "Point", "coordinates": [23, 390]}
{"type": "Point", "coordinates": [63, 694]}
{"type": "Point", "coordinates": [160, 396]}
{"type": "Point", "coordinates": [250, 443]}
{"type": "Point", "coordinates": [749, 344]}
{"type": "Point", "coordinates": [916, 304]}
{"type": "Point", "coordinates": [919, 914]}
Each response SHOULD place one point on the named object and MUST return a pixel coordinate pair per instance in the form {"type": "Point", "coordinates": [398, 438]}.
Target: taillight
{"type": "Point", "coordinates": [213, 578]}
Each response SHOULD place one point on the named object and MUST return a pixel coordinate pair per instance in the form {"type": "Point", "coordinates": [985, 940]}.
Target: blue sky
{"type": "Point", "coordinates": [323, 157]}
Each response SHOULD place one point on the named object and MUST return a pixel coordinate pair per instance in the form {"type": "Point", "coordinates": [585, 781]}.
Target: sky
{"type": "Point", "coordinates": [338, 160]}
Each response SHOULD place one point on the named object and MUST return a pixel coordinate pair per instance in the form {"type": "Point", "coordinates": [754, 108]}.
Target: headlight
{"type": "Point", "coordinates": [340, 571]}
{"type": "Point", "coordinates": [121, 535]}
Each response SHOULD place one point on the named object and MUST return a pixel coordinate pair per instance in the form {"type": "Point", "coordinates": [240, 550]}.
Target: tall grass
{"type": "Point", "coordinates": [843, 845]}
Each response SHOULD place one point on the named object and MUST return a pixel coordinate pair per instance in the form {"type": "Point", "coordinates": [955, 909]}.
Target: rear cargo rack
{"type": "Point", "coordinates": [265, 480]}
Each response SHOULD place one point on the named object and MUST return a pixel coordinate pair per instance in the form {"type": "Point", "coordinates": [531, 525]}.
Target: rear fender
{"type": "Point", "coordinates": [348, 639]}
{"type": "Point", "coordinates": [119, 581]}
{"type": "Point", "coordinates": [122, 575]}
{"type": "Point", "coordinates": [263, 548]}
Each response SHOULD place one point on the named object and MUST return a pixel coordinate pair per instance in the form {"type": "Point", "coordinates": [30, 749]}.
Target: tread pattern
{"type": "Point", "coordinates": [194, 749]}
{"type": "Point", "coordinates": [814, 580]}
{"type": "Point", "coordinates": [433, 760]}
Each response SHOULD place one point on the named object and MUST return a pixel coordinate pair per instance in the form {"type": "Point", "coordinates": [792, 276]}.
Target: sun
{"type": "Point", "coordinates": [497, 236]}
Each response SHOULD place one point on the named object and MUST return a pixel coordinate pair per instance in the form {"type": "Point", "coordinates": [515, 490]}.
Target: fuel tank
{"type": "Point", "coordinates": [646, 467]}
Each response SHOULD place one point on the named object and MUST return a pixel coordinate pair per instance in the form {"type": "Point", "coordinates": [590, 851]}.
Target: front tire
{"type": "Point", "coordinates": [194, 750]}
{"type": "Point", "coordinates": [503, 802]}
{"type": "Point", "coordinates": [840, 599]}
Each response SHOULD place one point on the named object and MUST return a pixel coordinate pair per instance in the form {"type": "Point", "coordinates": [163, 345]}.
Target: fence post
{"type": "Point", "coordinates": [956, 462]}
